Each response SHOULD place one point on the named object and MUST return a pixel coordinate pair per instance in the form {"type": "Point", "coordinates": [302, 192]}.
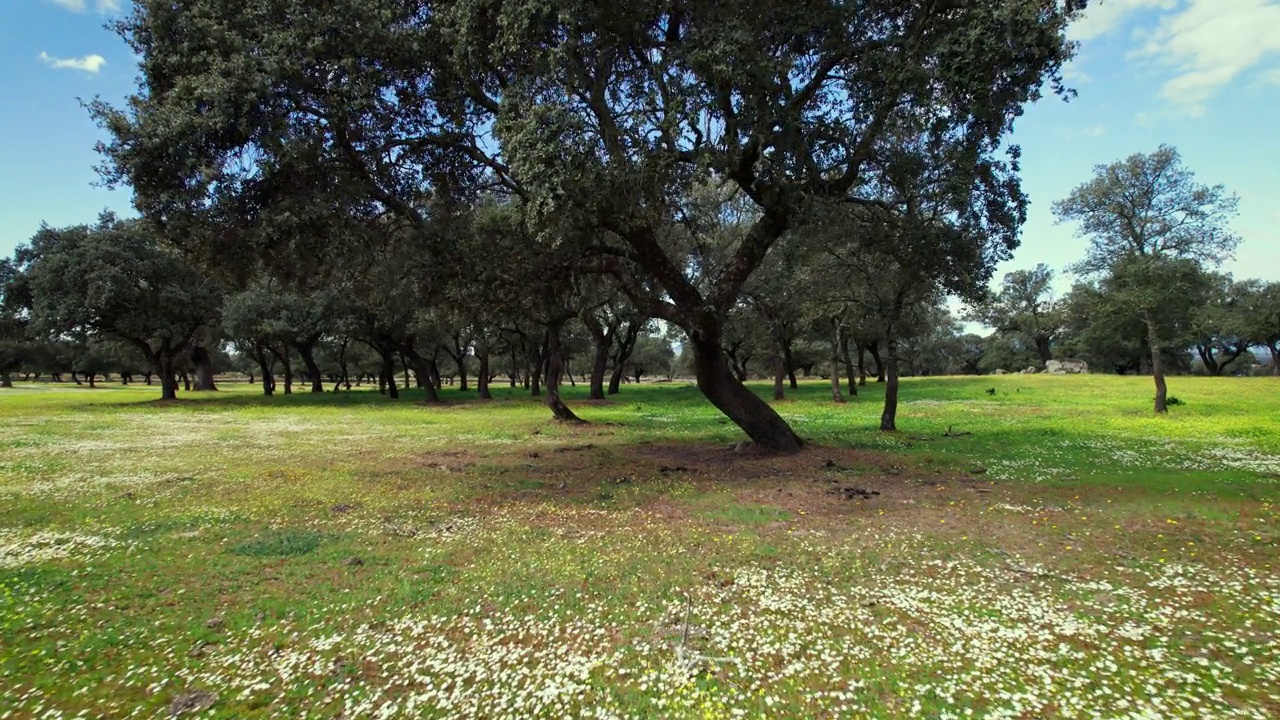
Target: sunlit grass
{"type": "Point", "coordinates": [1049, 550]}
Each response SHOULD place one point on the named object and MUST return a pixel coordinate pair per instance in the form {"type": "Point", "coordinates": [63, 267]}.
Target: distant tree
{"type": "Point", "coordinates": [653, 356]}
{"type": "Point", "coordinates": [1259, 308]}
{"type": "Point", "coordinates": [15, 349]}
{"type": "Point", "coordinates": [1024, 307]}
{"type": "Point", "coordinates": [1219, 325]}
{"type": "Point", "coordinates": [116, 279]}
{"type": "Point", "coordinates": [1148, 220]}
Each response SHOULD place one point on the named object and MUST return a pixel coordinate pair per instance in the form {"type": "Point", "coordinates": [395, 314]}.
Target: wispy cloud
{"type": "Point", "coordinates": [88, 63]}
{"type": "Point", "coordinates": [103, 7]}
{"type": "Point", "coordinates": [1209, 43]}
{"type": "Point", "coordinates": [1103, 17]}
{"type": "Point", "coordinates": [1092, 132]}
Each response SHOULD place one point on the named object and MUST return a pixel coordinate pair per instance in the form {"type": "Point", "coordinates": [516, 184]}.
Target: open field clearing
{"type": "Point", "coordinates": [1049, 550]}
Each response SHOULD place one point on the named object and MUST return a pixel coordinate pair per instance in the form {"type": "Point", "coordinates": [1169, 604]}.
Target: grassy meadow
{"type": "Point", "coordinates": [1025, 547]}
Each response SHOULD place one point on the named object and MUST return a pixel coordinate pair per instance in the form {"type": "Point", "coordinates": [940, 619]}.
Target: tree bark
{"type": "Point", "coordinates": [599, 366]}
{"type": "Point", "coordinates": [760, 422]}
{"type": "Point", "coordinates": [862, 366]}
{"type": "Point", "coordinates": [779, 376]}
{"type": "Point", "coordinates": [306, 350]}
{"type": "Point", "coordinates": [789, 363]}
{"type": "Point", "coordinates": [389, 375]}
{"type": "Point", "coordinates": [168, 380]}
{"type": "Point", "coordinates": [555, 368]}
{"type": "Point", "coordinates": [874, 349]}
{"type": "Point", "coordinates": [889, 418]}
{"type": "Point", "coordinates": [91, 376]}
{"type": "Point", "coordinates": [1157, 368]}
{"type": "Point", "coordinates": [626, 345]}
{"type": "Point", "coordinates": [6, 380]}
{"type": "Point", "coordinates": [482, 380]}
{"type": "Point", "coordinates": [838, 348]}
{"type": "Point", "coordinates": [1042, 349]}
{"type": "Point", "coordinates": [422, 368]}
{"type": "Point", "coordinates": [1211, 365]}
{"type": "Point", "coordinates": [1274, 349]}
{"type": "Point", "coordinates": [204, 369]}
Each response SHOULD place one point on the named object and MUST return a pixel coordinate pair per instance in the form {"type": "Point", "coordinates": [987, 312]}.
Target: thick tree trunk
{"type": "Point", "coordinates": [91, 376]}
{"type": "Point", "coordinates": [759, 421]}
{"type": "Point", "coordinates": [75, 379]}
{"type": "Point", "coordinates": [874, 349]}
{"type": "Point", "coordinates": [1042, 349]}
{"type": "Point", "coordinates": [862, 365]}
{"type": "Point", "coordinates": [602, 339]}
{"type": "Point", "coordinates": [555, 368]}
{"type": "Point", "coordinates": [422, 368]}
{"type": "Point", "coordinates": [204, 369]}
{"type": "Point", "coordinates": [889, 417]}
{"type": "Point", "coordinates": [388, 379]}
{"type": "Point", "coordinates": [307, 352]}
{"type": "Point", "coordinates": [482, 380]}
{"type": "Point", "coordinates": [615, 379]}
{"type": "Point", "coordinates": [1157, 368]}
{"type": "Point", "coordinates": [168, 380]}
{"type": "Point", "coordinates": [147, 377]}
{"type": "Point", "coordinates": [1274, 349]}
{"type": "Point", "coordinates": [6, 380]}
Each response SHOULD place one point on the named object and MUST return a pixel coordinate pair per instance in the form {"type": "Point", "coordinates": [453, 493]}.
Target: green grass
{"type": "Point", "coordinates": [1049, 550]}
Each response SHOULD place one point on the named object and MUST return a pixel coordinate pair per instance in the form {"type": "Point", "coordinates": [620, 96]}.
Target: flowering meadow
{"type": "Point", "coordinates": [1025, 547]}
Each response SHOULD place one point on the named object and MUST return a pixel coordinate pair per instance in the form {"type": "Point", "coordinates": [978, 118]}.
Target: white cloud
{"type": "Point", "coordinates": [1102, 17]}
{"type": "Point", "coordinates": [1210, 43]}
{"type": "Point", "coordinates": [88, 63]}
{"type": "Point", "coordinates": [104, 7]}
{"type": "Point", "coordinates": [1092, 132]}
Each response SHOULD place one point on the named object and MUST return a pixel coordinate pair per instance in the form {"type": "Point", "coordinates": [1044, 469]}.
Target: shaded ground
{"type": "Point", "coordinates": [327, 557]}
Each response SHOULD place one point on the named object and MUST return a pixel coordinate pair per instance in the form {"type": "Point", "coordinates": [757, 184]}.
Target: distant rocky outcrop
{"type": "Point", "coordinates": [1000, 372]}
{"type": "Point", "coordinates": [1066, 367]}
{"type": "Point", "coordinates": [1031, 370]}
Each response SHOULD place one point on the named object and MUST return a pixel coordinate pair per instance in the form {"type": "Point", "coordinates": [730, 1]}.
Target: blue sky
{"type": "Point", "coordinates": [1202, 75]}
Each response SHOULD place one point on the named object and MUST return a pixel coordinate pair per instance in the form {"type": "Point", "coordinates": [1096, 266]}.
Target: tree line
{"type": "Point", "coordinates": [491, 186]}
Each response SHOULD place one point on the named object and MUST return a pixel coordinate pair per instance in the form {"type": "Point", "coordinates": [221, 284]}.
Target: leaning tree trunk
{"type": "Point", "coordinates": [889, 418]}
{"type": "Point", "coordinates": [388, 375]}
{"type": "Point", "coordinates": [204, 369]}
{"type": "Point", "coordinates": [760, 422]}
{"type": "Point", "coordinates": [555, 369]}
{"type": "Point", "coordinates": [168, 380]}
{"type": "Point", "coordinates": [1274, 349]}
{"type": "Point", "coordinates": [422, 368]}
{"type": "Point", "coordinates": [1157, 368]}
{"type": "Point", "coordinates": [874, 349]}
{"type": "Point", "coordinates": [626, 346]}
{"type": "Point", "coordinates": [307, 352]}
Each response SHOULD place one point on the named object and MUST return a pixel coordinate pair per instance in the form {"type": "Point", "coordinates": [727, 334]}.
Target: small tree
{"type": "Point", "coordinates": [1146, 217]}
